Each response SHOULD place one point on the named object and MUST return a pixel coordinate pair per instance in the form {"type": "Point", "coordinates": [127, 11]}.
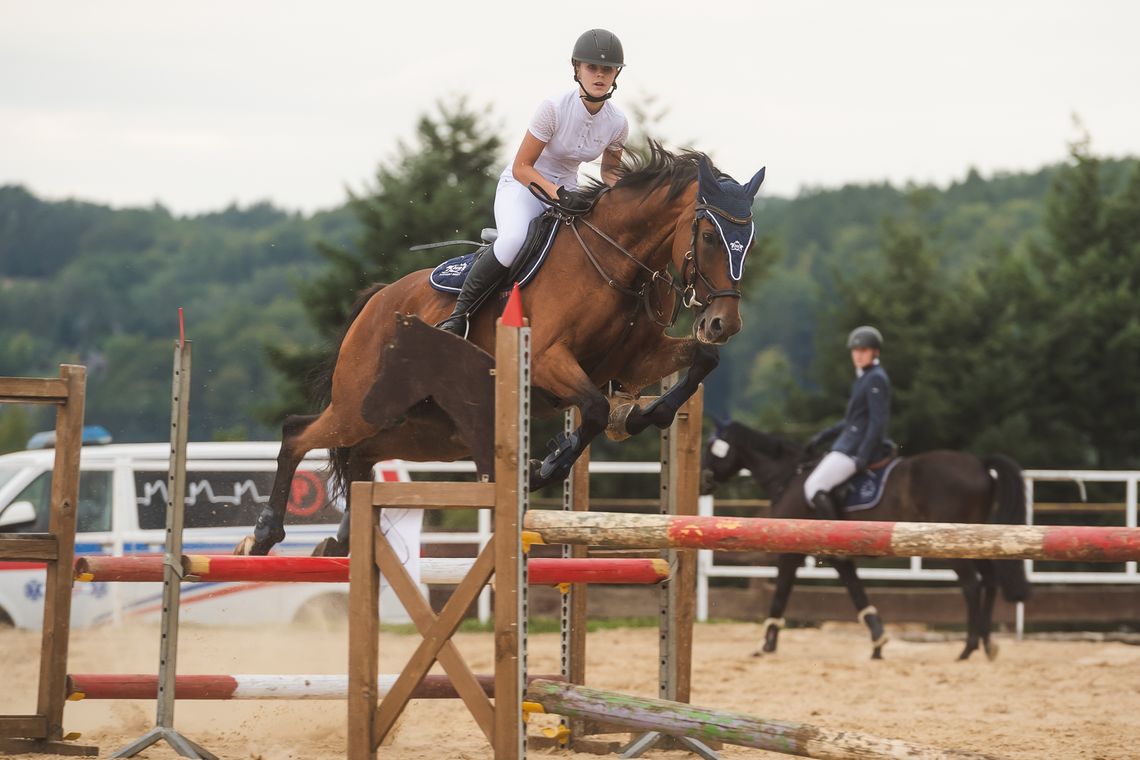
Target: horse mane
{"type": "Point", "coordinates": [647, 171]}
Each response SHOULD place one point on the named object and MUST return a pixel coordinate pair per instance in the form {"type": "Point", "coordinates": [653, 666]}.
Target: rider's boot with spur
{"type": "Point", "coordinates": [486, 274]}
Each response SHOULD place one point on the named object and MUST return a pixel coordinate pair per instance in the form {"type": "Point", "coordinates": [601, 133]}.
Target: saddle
{"type": "Point", "coordinates": [448, 277]}
{"type": "Point", "coordinates": [863, 490]}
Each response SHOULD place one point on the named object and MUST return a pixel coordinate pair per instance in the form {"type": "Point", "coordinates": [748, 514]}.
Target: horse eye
{"type": "Point", "coordinates": [708, 237]}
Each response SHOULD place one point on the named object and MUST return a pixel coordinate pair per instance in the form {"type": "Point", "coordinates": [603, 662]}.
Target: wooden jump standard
{"type": "Point", "coordinates": [274, 569]}
{"type": "Point", "coordinates": [836, 538]}
{"type": "Point", "coordinates": [43, 731]}
{"type": "Point", "coordinates": [706, 724]}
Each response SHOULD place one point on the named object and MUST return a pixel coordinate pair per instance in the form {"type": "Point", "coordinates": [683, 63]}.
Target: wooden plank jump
{"type": "Point", "coordinates": [501, 721]}
{"type": "Point", "coordinates": [855, 538]}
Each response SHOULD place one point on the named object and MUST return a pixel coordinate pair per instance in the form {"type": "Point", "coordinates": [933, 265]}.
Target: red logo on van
{"type": "Point", "coordinates": [307, 494]}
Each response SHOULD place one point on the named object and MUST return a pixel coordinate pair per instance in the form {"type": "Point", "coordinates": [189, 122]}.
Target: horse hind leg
{"type": "Point", "coordinates": [270, 527]}
{"type": "Point", "coordinates": [867, 613]}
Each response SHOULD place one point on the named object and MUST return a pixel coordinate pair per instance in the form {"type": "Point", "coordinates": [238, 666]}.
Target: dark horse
{"type": "Point", "coordinates": [935, 486]}
{"type": "Point", "coordinates": [598, 310]}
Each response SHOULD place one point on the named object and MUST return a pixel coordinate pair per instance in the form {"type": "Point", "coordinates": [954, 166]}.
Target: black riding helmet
{"type": "Point", "coordinates": [600, 47]}
{"type": "Point", "coordinates": [865, 336]}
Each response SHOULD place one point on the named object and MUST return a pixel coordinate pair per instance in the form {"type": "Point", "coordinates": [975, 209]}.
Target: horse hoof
{"type": "Point", "coordinates": [877, 653]}
{"type": "Point", "coordinates": [330, 547]}
{"type": "Point", "coordinates": [615, 427]}
{"type": "Point", "coordinates": [992, 651]}
{"type": "Point", "coordinates": [245, 546]}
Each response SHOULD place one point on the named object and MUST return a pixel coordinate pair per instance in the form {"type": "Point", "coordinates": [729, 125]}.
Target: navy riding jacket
{"type": "Point", "coordinates": [863, 429]}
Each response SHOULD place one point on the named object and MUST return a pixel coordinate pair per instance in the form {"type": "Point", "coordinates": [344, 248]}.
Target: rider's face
{"type": "Point", "coordinates": [596, 80]}
{"type": "Point", "coordinates": [862, 357]}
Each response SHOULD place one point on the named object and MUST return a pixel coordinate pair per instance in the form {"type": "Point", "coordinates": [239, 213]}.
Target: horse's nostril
{"type": "Point", "coordinates": [717, 325]}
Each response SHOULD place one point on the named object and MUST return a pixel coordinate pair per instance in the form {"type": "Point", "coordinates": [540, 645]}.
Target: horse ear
{"type": "Point", "coordinates": [756, 181]}
{"type": "Point", "coordinates": [704, 168]}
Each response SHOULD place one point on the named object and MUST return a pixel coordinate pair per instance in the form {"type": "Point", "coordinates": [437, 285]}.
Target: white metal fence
{"type": "Point", "coordinates": [707, 567]}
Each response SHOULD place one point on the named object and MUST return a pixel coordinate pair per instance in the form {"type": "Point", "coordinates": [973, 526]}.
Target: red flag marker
{"type": "Point", "coordinates": [513, 314]}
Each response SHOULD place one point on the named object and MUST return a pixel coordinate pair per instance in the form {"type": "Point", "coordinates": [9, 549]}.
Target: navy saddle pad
{"type": "Point", "coordinates": [448, 277]}
{"type": "Point", "coordinates": [865, 489]}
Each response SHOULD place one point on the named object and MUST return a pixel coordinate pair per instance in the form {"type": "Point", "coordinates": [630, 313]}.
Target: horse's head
{"type": "Point", "coordinates": [734, 446]}
{"type": "Point", "coordinates": [722, 235]}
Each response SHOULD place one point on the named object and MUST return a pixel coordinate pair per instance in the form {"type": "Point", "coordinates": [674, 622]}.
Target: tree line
{"type": "Point", "coordinates": [1008, 303]}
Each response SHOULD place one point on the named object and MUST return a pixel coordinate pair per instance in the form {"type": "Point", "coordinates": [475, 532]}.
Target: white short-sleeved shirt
{"type": "Point", "coordinates": [573, 135]}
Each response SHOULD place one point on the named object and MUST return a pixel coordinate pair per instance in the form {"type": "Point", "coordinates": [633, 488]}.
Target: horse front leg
{"type": "Point", "coordinates": [971, 590]}
{"type": "Point", "coordinates": [675, 354]}
{"type": "Point", "coordinates": [562, 376]}
{"type": "Point", "coordinates": [786, 566]}
{"type": "Point", "coordinates": [867, 613]}
{"type": "Point", "coordinates": [989, 595]}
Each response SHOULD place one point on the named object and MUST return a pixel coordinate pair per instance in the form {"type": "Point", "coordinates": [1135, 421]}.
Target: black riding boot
{"type": "Point", "coordinates": [824, 505]}
{"type": "Point", "coordinates": [485, 275]}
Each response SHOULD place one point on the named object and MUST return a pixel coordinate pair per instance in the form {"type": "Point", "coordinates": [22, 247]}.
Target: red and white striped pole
{"type": "Point", "coordinates": [857, 538]}
{"type": "Point", "coordinates": [433, 571]}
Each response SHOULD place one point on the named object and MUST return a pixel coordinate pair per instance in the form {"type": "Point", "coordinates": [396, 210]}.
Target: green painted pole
{"type": "Point", "coordinates": [706, 724]}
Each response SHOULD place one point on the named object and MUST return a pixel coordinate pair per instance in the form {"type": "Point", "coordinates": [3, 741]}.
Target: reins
{"type": "Point", "coordinates": [685, 294]}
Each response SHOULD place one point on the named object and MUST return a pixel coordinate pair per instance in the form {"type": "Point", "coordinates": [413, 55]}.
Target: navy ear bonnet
{"type": "Point", "coordinates": [730, 211]}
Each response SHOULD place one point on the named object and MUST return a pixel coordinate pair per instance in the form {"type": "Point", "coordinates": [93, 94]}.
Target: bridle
{"type": "Point", "coordinates": [691, 257]}
{"type": "Point", "coordinates": [686, 292]}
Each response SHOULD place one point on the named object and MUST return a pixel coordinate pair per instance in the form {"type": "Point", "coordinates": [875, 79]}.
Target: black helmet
{"type": "Point", "coordinates": [600, 47]}
{"type": "Point", "coordinates": [865, 336]}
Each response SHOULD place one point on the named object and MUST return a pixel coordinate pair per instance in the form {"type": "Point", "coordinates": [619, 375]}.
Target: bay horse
{"type": "Point", "coordinates": [934, 486]}
{"type": "Point", "coordinates": [599, 308]}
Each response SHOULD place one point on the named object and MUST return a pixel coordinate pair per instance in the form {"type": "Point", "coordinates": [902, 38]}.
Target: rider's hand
{"type": "Point", "coordinates": [571, 200]}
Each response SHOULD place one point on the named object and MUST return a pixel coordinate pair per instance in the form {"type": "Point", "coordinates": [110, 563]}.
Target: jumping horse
{"type": "Point", "coordinates": [935, 486]}
{"type": "Point", "coordinates": [599, 309]}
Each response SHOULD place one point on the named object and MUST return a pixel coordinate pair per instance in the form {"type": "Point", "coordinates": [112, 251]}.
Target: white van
{"type": "Point", "coordinates": [122, 511]}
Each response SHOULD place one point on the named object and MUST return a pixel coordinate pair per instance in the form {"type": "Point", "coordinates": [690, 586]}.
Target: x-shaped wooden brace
{"type": "Point", "coordinates": [436, 644]}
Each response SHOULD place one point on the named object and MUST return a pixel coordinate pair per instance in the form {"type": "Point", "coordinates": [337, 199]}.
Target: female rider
{"type": "Point", "coordinates": [566, 130]}
{"type": "Point", "coordinates": [863, 429]}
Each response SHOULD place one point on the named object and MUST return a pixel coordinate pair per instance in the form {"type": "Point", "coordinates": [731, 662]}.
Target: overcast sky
{"type": "Point", "coordinates": [198, 105]}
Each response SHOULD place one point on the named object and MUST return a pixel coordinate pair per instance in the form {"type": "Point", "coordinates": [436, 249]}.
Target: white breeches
{"type": "Point", "coordinates": [832, 470]}
{"type": "Point", "coordinates": [515, 207]}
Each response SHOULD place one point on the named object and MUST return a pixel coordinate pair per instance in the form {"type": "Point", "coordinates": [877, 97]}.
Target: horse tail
{"type": "Point", "coordinates": [337, 484]}
{"type": "Point", "coordinates": [338, 457]}
{"type": "Point", "coordinates": [322, 378]}
{"type": "Point", "coordinates": [1009, 510]}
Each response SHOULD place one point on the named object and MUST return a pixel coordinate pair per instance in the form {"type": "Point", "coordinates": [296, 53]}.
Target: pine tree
{"type": "Point", "coordinates": [440, 188]}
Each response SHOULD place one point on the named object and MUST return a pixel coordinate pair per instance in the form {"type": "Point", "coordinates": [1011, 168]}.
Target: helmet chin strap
{"type": "Point", "coordinates": [586, 96]}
